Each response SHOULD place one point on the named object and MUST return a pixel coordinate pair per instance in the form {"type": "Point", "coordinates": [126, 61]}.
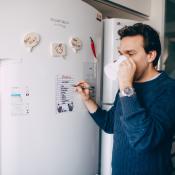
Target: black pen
{"type": "Point", "coordinates": [90, 88]}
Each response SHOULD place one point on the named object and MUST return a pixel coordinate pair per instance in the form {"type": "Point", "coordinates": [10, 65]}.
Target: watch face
{"type": "Point", "coordinates": [128, 91]}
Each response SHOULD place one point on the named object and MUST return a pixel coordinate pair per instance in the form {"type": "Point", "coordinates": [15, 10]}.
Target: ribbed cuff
{"type": "Point", "coordinates": [96, 113]}
{"type": "Point", "coordinates": [129, 105]}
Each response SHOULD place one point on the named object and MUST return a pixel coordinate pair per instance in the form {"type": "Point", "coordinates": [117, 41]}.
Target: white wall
{"type": "Point", "coordinates": [157, 20]}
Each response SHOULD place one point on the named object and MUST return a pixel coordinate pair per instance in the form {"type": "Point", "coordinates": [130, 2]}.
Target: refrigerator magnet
{"type": "Point", "coordinates": [99, 17]}
{"type": "Point", "coordinates": [58, 50]}
{"type": "Point", "coordinates": [31, 40]}
{"type": "Point", "coordinates": [75, 44]}
{"type": "Point", "coordinates": [93, 49]}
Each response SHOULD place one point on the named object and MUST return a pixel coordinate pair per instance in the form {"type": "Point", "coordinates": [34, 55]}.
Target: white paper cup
{"type": "Point", "coordinates": [111, 69]}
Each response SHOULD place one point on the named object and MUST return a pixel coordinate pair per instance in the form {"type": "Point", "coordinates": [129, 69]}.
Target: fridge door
{"type": "Point", "coordinates": [35, 138]}
{"type": "Point", "coordinates": [110, 88]}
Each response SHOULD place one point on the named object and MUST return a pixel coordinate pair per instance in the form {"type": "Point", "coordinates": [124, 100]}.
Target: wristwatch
{"type": "Point", "coordinates": [127, 92]}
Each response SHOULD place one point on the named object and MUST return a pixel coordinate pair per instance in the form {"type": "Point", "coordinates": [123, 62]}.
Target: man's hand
{"type": "Point", "coordinates": [126, 73]}
{"type": "Point", "coordinates": [82, 89]}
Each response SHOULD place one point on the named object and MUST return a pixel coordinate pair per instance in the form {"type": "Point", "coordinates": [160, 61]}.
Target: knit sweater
{"type": "Point", "coordinates": [143, 126]}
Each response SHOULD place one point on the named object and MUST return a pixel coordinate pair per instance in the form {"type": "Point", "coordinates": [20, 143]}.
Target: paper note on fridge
{"type": "Point", "coordinates": [64, 93]}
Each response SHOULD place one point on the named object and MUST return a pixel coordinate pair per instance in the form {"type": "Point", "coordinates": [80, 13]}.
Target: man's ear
{"type": "Point", "coordinates": [151, 56]}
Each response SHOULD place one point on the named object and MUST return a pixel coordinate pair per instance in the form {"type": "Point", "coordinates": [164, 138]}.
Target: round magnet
{"type": "Point", "coordinates": [75, 43]}
{"type": "Point", "coordinates": [31, 40]}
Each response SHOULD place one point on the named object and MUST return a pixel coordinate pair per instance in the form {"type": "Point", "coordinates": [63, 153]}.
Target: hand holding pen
{"type": "Point", "coordinates": [83, 88]}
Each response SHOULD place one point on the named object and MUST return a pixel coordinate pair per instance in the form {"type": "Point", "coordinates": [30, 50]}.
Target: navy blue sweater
{"type": "Point", "coordinates": [143, 127]}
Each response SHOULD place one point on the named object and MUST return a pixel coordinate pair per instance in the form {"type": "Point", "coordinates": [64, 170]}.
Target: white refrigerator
{"type": "Point", "coordinates": [45, 48]}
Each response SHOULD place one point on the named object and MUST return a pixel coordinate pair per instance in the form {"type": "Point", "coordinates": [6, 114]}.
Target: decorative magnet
{"type": "Point", "coordinates": [99, 17]}
{"type": "Point", "coordinates": [58, 49]}
{"type": "Point", "coordinates": [31, 40]}
{"type": "Point", "coordinates": [93, 49]}
{"type": "Point", "coordinates": [75, 44]}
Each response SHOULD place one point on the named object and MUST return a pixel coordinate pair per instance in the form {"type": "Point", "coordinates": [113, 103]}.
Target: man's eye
{"type": "Point", "coordinates": [131, 54]}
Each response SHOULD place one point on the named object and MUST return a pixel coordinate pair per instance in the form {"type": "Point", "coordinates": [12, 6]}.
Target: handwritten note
{"type": "Point", "coordinates": [64, 93]}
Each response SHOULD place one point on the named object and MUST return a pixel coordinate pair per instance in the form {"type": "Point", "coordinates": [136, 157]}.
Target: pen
{"type": "Point", "coordinates": [90, 88]}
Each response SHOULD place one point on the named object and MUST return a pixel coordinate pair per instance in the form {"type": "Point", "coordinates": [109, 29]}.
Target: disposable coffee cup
{"type": "Point", "coordinates": [111, 69]}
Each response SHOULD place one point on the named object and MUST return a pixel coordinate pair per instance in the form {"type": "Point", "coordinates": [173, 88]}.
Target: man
{"type": "Point", "coordinates": [143, 115]}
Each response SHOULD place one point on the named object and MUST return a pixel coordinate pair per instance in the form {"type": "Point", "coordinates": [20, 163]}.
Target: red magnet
{"type": "Point", "coordinates": [93, 47]}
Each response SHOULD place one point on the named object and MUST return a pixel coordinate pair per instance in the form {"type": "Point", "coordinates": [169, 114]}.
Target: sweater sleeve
{"type": "Point", "coordinates": [146, 129]}
{"type": "Point", "coordinates": [105, 119]}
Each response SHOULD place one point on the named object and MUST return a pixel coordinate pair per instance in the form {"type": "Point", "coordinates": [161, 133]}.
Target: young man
{"type": "Point", "coordinates": [143, 115]}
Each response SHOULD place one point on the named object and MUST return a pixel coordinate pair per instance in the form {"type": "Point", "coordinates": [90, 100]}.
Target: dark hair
{"type": "Point", "coordinates": [150, 36]}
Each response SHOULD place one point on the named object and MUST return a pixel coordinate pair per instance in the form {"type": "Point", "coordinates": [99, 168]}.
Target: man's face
{"type": "Point", "coordinates": [133, 47]}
